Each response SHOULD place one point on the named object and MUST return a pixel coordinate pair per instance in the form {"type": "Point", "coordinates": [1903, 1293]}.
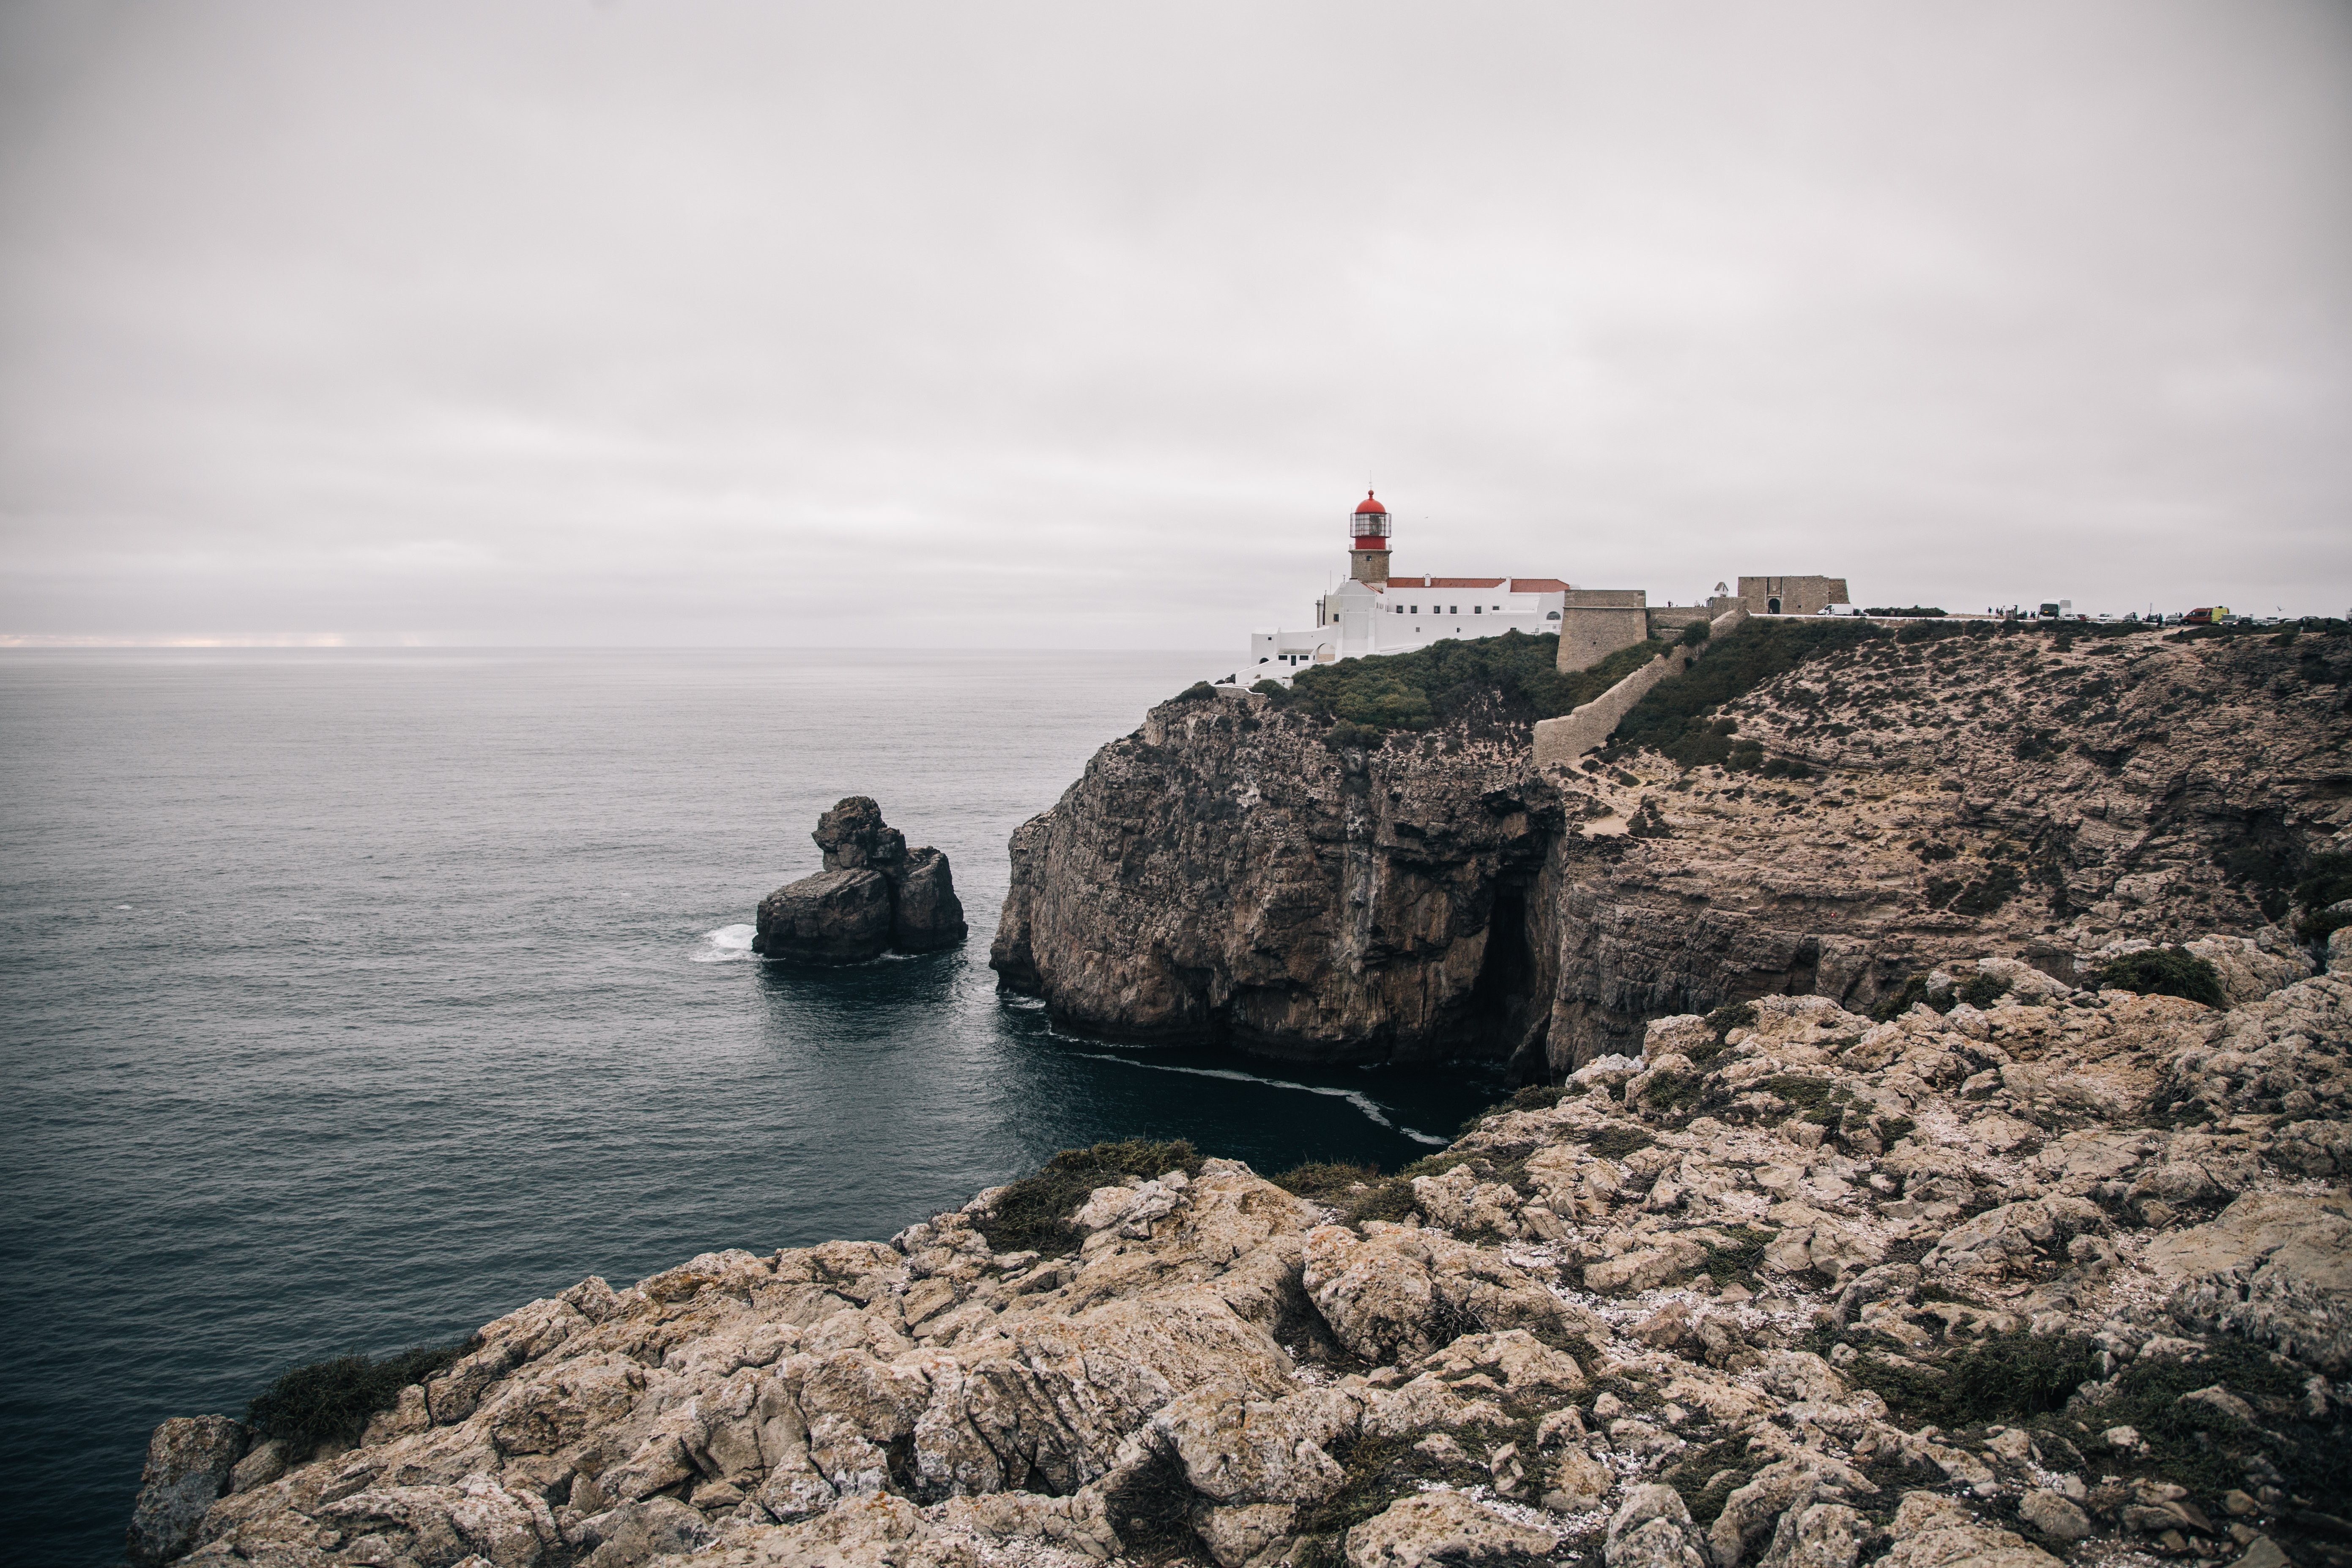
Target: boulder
{"type": "Point", "coordinates": [873, 896]}
{"type": "Point", "coordinates": [1446, 1527]}
{"type": "Point", "coordinates": [190, 1460]}
{"type": "Point", "coordinates": [832, 917]}
{"type": "Point", "coordinates": [2273, 1267]}
{"type": "Point", "coordinates": [1933, 1532]}
{"type": "Point", "coordinates": [1653, 1529]}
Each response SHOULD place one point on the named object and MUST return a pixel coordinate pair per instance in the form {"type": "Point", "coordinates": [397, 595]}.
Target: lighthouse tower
{"type": "Point", "coordinates": [1368, 558]}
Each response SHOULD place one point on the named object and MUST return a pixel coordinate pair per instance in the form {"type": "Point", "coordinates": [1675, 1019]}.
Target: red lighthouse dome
{"type": "Point", "coordinates": [1368, 535]}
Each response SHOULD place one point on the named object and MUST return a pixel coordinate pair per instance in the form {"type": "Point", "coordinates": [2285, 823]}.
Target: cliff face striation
{"type": "Point", "coordinates": [1221, 873]}
{"type": "Point", "coordinates": [1868, 811]}
{"type": "Point", "coordinates": [2051, 1273]}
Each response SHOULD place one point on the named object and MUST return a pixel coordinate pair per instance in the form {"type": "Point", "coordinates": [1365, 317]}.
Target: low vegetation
{"type": "Point", "coordinates": [331, 1400]}
{"type": "Point", "coordinates": [2164, 971]}
{"type": "Point", "coordinates": [2006, 1378]}
{"type": "Point", "coordinates": [1033, 1214]}
{"type": "Point", "coordinates": [1676, 717]}
{"type": "Point", "coordinates": [1511, 679]}
{"type": "Point", "coordinates": [2327, 884]}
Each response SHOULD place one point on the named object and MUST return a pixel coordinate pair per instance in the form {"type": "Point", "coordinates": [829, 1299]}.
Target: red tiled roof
{"type": "Point", "coordinates": [1519, 584]}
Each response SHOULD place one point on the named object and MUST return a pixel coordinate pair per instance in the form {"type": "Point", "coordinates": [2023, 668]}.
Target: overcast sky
{"type": "Point", "coordinates": [1031, 325]}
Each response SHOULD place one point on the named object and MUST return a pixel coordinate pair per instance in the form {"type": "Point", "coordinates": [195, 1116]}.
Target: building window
{"type": "Point", "coordinates": [1771, 606]}
{"type": "Point", "coordinates": [1553, 617]}
{"type": "Point", "coordinates": [1477, 609]}
{"type": "Point", "coordinates": [1452, 609]}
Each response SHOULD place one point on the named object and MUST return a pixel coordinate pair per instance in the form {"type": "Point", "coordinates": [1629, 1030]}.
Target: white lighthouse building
{"type": "Point", "coordinates": [1373, 613]}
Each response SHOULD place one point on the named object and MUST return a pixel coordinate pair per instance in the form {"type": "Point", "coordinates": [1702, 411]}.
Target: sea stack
{"type": "Point", "coordinates": [873, 896]}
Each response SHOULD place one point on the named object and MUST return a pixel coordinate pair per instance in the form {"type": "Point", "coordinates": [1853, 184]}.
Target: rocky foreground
{"type": "Point", "coordinates": [2047, 1274]}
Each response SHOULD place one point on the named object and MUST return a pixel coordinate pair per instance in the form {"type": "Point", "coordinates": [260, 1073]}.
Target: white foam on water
{"type": "Point", "coordinates": [1356, 1097]}
{"type": "Point", "coordinates": [727, 944]}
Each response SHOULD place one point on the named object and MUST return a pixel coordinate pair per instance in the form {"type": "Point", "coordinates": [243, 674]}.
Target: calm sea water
{"type": "Point", "coordinates": [351, 999]}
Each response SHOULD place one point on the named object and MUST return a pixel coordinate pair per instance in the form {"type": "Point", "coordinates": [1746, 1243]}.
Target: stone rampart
{"type": "Point", "coordinates": [1563, 741]}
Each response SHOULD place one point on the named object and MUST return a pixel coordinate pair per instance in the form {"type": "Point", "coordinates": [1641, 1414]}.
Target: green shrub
{"type": "Point", "coordinates": [1345, 736]}
{"type": "Point", "coordinates": [1737, 1259]}
{"type": "Point", "coordinates": [2328, 882]}
{"type": "Point", "coordinates": [1984, 989]}
{"type": "Point", "coordinates": [2005, 1377]}
{"type": "Point", "coordinates": [1196, 692]}
{"type": "Point", "coordinates": [1511, 679]}
{"type": "Point", "coordinates": [1696, 633]}
{"type": "Point", "coordinates": [1539, 1096]}
{"type": "Point", "coordinates": [1033, 1214]}
{"type": "Point", "coordinates": [1666, 1090]}
{"type": "Point", "coordinates": [1912, 610]}
{"type": "Point", "coordinates": [2190, 1442]}
{"type": "Point", "coordinates": [1618, 1139]}
{"type": "Point", "coordinates": [2164, 971]}
{"type": "Point", "coordinates": [1391, 1199]}
{"type": "Point", "coordinates": [331, 1400]}
{"type": "Point", "coordinates": [1326, 1181]}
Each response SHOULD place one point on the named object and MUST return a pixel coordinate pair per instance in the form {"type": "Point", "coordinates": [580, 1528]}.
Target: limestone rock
{"type": "Point", "coordinates": [190, 1459]}
{"type": "Point", "coordinates": [2274, 1267]}
{"type": "Point", "coordinates": [1653, 1529]}
{"type": "Point", "coordinates": [1444, 1528]}
{"type": "Point", "coordinates": [874, 895]}
{"type": "Point", "coordinates": [1932, 1532]}
{"type": "Point", "coordinates": [1819, 1535]}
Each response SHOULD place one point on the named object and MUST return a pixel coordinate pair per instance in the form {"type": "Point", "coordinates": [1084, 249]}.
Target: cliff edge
{"type": "Point", "coordinates": [1829, 817]}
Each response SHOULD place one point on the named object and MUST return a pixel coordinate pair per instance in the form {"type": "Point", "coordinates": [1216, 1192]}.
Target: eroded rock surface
{"type": "Point", "coordinates": [873, 896]}
{"type": "Point", "coordinates": [1767, 1293]}
{"type": "Point", "coordinates": [1222, 874]}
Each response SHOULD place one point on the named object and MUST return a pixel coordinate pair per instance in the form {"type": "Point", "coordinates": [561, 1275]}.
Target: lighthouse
{"type": "Point", "coordinates": [1368, 530]}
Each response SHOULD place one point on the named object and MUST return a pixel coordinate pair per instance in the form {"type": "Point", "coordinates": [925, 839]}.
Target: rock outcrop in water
{"type": "Point", "coordinates": [873, 896]}
{"type": "Point", "coordinates": [2054, 1273]}
{"type": "Point", "coordinates": [1222, 874]}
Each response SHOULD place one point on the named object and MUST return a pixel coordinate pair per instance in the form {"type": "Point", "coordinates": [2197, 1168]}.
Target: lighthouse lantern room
{"type": "Point", "coordinates": [1368, 556]}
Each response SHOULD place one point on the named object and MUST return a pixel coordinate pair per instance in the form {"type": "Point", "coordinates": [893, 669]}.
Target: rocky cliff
{"type": "Point", "coordinates": [2051, 1274]}
{"type": "Point", "coordinates": [1224, 873]}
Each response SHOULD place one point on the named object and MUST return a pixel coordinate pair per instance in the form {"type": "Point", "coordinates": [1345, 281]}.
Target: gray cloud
{"type": "Point", "coordinates": [1031, 325]}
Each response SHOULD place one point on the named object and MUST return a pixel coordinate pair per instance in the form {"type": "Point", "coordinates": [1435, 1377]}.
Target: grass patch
{"type": "Point", "coordinates": [331, 1400]}
{"type": "Point", "coordinates": [1327, 1182]}
{"type": "Point", "coordinates": [1737, 1260]}
{"type": "Point", "coordinates": [2164, 971]}
{"type": "Point", "coordinates": [2198, 1446]}
{"type": "Point", "coordinates": [1618, 1139]}
{"type": "Point", "coordinates": [1033, 1214]}
{"type": "Point", "coordinates": [1667, 1091]}
{"type": "Point", "coordinates": [2006, 1378]}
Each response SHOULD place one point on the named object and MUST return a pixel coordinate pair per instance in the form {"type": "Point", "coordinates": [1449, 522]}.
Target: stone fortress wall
{"type": "Point", "coordinates": [1791, 596]}
{"type": "Point", "coordinates": [1598, 622]}
{"type": "Point", "coordinates": [1561, 740]}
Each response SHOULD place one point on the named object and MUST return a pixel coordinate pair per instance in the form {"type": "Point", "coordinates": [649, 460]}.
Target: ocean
{"type": "Point", "coordinates": [352, 998]}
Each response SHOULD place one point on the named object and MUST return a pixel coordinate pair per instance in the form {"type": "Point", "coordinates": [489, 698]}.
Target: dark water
{"type": "Point", "coordinates": [349, 1000]}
